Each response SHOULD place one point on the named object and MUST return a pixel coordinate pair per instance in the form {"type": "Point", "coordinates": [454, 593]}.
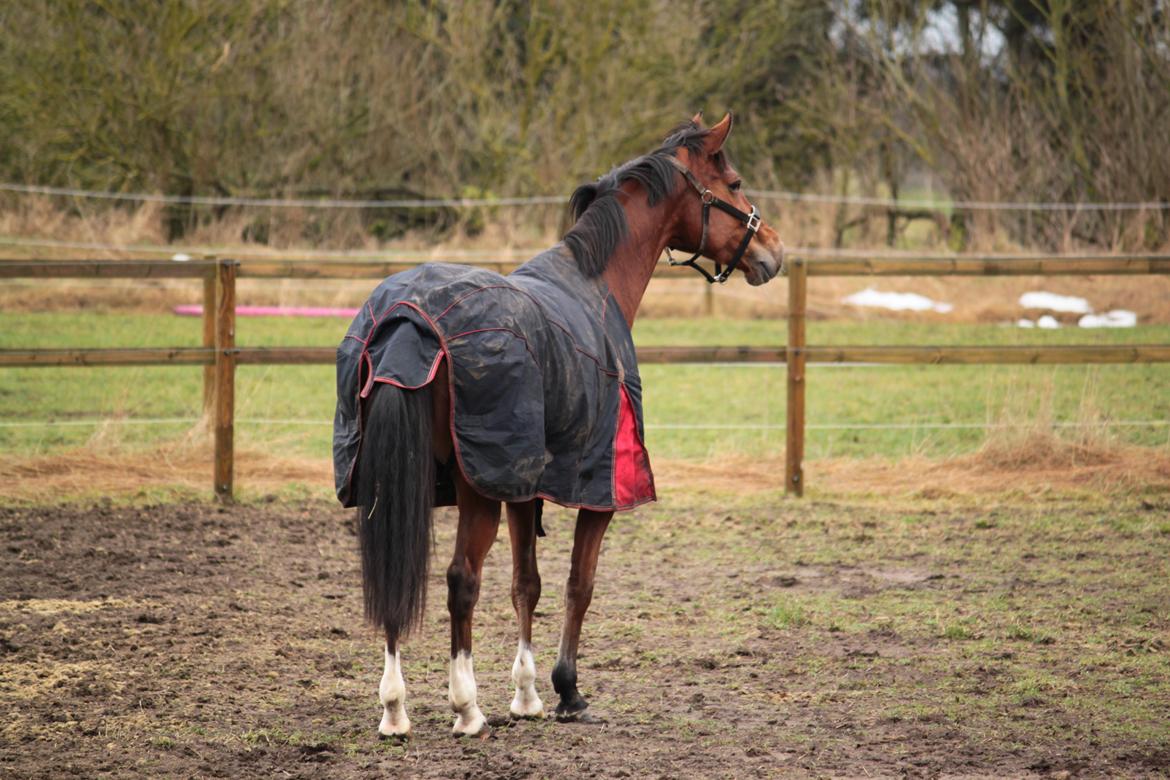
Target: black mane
{"type": "Point", "coordinates": [600, 224]}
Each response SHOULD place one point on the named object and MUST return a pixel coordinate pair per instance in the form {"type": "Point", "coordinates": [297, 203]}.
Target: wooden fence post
{"type": "Point", "coordinates": [209, 342]}
{"type": "Point", "coordinates": [795, 362]}
{"type": "Point", "coordinates": [225, 375]}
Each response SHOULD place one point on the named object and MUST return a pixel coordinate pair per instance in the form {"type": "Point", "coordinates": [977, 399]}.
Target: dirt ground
{"type": "Point", "coordinates": [731, 636]}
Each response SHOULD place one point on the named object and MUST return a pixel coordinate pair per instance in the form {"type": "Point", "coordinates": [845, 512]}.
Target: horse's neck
{"type": "Point", "coordinates": [632, 264]}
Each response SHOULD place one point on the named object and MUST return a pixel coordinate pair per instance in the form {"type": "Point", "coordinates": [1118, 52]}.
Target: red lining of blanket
{"type": "Point", "coordinates": [632, 480]}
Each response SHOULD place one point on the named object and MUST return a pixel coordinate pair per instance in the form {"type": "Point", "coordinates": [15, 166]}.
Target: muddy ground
{"type": "Point", "coordinates": [730, 637]}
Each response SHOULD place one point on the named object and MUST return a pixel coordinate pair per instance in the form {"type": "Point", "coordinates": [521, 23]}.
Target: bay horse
{"type": "Point", "coordinates": [460, 386]}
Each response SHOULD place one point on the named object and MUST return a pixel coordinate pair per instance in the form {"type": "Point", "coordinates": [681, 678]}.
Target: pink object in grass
{"type": "Point", "coordinates": [274, 311]}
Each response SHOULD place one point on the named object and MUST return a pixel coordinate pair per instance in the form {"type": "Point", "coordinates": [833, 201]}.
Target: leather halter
{"type": "Point", "coordinates": [750, 221]}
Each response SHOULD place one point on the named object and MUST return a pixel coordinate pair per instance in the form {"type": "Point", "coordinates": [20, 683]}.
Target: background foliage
{"type": "Point", "coordinates": [980, 99]}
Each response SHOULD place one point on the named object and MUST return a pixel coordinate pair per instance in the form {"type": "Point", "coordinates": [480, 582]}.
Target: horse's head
{"type": "Point", "coordinates": [714, 218]}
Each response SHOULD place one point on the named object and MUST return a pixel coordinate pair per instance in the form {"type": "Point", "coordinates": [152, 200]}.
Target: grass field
{"type": "Point", "coordinates": [691, 411]}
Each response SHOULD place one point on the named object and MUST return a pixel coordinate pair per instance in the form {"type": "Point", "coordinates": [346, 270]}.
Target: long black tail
{"type": "Point", "coordinates": [395, 494]}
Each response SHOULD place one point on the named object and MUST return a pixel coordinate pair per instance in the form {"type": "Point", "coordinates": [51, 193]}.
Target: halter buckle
{"type": "Point", "coordinates": [707, 197]}
{"type": "Point", "coordinates": [753, 220]}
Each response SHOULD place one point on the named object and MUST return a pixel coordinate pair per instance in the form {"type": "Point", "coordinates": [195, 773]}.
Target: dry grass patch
{"type": "Point", "coordinates": [175, 469]}
{"type": "Point", "coordinates": [1032, 462]}
{"type": "Point", "coordinates": [1052, 468]}
{"type": "Point", "coordinates": [23, 681]}
{"type": "Point", "coordinates": [1047, 465]}
{"type": "Point", "coordinates": [62, 606]}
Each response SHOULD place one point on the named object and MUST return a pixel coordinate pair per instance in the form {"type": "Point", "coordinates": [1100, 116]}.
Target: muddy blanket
{"type": "Point", "coordinates": [546, 399]}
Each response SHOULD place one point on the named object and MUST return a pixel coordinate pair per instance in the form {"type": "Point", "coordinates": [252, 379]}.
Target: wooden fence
{"type": "Point", "coordinates": [220, 355]}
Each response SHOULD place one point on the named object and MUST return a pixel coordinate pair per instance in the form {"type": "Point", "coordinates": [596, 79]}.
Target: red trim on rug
{"type": "Point", "coordinates": [366, 365]}
{"type": "Point", "coordinates": [430, 376]}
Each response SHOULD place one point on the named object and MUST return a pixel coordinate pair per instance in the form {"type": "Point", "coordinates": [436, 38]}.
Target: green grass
{"type": "Point", "coordinates": [697, 411]}
{"type": "Point", "coordinates": [788, 613]}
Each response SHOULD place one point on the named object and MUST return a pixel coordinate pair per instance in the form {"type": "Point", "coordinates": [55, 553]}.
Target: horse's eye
{"type": "Point", "coordinates": [736, 185]}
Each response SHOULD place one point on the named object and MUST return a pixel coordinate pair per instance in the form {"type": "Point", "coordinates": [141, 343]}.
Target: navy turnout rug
{"type": "Point", "coordinates": [545, 396]}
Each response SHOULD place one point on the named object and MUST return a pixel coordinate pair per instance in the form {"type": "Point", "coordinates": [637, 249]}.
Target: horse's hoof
{"type": "Point", "coordinates": [399, 739]}
{"type": "Point", "coordinates": [584, 717]}
{"type": "Point", "coordinates": [526, 710]}
{"type": "Point", "coordinates": [482, 733]}
{"type": "Point", "coordinates": [469, 724]}
{"type": "Point", "coordinates": [397, 727]}
{"type": "Point", "coordinates": [534, 716]}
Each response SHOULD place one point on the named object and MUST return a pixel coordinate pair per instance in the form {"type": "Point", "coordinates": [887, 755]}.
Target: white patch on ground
{"type": "Point", "coordinates": [1118, 318]}
{"type": "Point", "coordinates": [1053, 302]}
{"type": "Point", "coordinates": [1048, 322]}
{"type": "Point", "coordinates": [468, 719]}
{"type": "Point", "coordinates": [526, 703]}
{"type": "Point", "coordinates": [181, 257]}
{"type": "Point", "coordinates": [392, 693]}
{"type": "Point", "coordinates": [895, 301]}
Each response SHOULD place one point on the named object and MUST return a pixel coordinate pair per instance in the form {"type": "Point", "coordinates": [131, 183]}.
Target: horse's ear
{"type": "Point", "coordinates": [697, 119]}
{"type": "Point", "coordinates": [715, 139]}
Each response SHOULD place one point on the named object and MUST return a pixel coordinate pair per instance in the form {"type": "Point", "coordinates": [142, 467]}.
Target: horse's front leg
{"type": "Point", "coordinates": [591, 527]}
{"type": "Point", "coordinates": [479, 520]}
{"type": "Point", "coordinates": [525, 594]}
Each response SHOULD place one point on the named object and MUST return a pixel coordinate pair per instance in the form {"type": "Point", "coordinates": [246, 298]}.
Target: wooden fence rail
{"type": "Point", "coordinates": [220, 355]}
{"type": "Point", "coordinates": [800, 353]}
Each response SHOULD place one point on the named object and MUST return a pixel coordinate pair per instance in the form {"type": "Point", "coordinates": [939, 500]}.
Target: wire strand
{"type": "Point", "coordinates": [309, 203]}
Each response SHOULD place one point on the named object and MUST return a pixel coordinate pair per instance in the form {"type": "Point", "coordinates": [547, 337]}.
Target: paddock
{"type": "Point", "coordinates": [735, 634]}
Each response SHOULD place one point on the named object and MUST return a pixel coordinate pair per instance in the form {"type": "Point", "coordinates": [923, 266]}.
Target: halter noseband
{"type": "Point", "coordinates": [750, 221]}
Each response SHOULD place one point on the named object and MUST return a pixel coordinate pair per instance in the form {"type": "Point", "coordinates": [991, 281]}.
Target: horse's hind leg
{"type": "Point", "coordinates": [591, 527]}
{"type": "Point", "coordinates": [392, 693]}
{"type": "Point", "coordinates": [479, 519]}
{"type": "Point", "coordinates": [525, 594]}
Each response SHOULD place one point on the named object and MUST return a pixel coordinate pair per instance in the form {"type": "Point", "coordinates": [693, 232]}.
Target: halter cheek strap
{"type": "Point", "coordinates": [708, 199]}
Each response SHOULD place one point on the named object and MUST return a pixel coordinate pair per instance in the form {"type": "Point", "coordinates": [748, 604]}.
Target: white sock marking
{"type": "Point", "coordinates": [527, 703]}
{"type": "Point", "coordinates": [392, 693]}
{"type": "Point", "coordinates": [468, 719]}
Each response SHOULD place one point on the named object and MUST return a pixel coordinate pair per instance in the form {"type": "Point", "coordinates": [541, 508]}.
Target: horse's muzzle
{"type": "Point", "coordinates": [766, 264]}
